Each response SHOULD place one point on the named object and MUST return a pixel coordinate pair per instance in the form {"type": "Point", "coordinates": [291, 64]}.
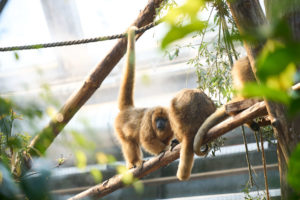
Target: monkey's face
{"type": "Point", "coordinates": [161, 123]}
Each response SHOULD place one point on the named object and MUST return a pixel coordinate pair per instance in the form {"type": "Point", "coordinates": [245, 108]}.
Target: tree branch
{"type": "Point", "coordinates": [43, 139]}
{"type": "Point", "coordinates": [157, 162]}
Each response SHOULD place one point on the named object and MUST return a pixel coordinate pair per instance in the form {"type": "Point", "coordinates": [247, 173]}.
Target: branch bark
{"type": "Point", "coordinates": [42, 140]}
{"type": "Point", "coordinates": [155, 163]}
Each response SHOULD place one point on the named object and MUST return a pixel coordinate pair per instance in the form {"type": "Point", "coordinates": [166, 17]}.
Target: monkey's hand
{"type": "Point", "coordinates": [173, 144]}
{"type": "Point", "coordinates": [254, 126]}
{"type": "Point", "coordinates": [161, 154]}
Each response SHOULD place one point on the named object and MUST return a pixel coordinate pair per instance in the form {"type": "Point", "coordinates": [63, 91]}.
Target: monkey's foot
{"type": "Point", "coordinates": [173, 144]}
{"type": "Point", "coordinates": [135, 164]}
{"type": "Point", "coordinates": [254, 126]}
{"type": "Point", "coordinates": [205, 151]}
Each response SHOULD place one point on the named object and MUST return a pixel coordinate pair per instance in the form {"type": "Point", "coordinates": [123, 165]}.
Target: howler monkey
{"type": "Point", "coordinates": [241, 73]}
{"type": "Point", "coordinates": [189, 109]}
{"type": "Point", "coordinates": [136, 127]}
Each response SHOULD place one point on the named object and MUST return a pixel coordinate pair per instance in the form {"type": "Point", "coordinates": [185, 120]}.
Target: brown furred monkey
{"type": "Point", "coordinates": [189, 109]}
{"type": "Point", "coordinates": [135, 127]}
{"type": "Point", "coordinates": [241, 73]}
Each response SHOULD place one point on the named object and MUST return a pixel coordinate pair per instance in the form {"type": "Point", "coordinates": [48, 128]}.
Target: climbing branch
{"type": "Point", "coordinates": [43, 139]}
{"type": "Point", "coordinates": [115, 183]}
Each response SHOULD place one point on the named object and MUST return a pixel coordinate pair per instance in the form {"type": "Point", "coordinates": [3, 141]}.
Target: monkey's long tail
{"type": "Point", "coordinates": [127, 86]}
{"type": "Point", "coordinates": [186, 159]}
{"type": "Point", "coordinates": [218, 116]}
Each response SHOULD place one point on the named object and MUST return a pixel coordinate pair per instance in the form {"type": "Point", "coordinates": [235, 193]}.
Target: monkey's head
{"type": "Point", "coordinates": [161, 123]}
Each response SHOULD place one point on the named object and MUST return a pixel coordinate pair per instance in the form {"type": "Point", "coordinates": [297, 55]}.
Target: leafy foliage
{"type": "Point", "coordinates": [13, 145]}
{"type": "Point", "coordinates": [215, 54]}
{"type": "Point", "coordinates": [294, 169]}
{"type": "Point", "coordinates": [129, 179]}
{"type": "Point", "coordinates": [188, 11]}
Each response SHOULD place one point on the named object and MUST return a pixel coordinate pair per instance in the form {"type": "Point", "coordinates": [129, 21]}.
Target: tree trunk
{"type": "Point", "coordinates": [249, 15]}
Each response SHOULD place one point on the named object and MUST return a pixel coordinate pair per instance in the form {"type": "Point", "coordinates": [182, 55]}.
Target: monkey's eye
{"type": "Point", "coordinates": [160, 123]}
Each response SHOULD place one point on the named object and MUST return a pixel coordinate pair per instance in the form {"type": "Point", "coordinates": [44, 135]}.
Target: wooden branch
{"type": "Point", "coordinates": [296, 86]}
{"type": "Point", "coordinates": [257, 110]}
{"type": "Point", "coordinates": [155, 163]}
{"type": "Point", "coordinates": [240, 105]}
{"type": "Point", "coordinates": [43, 139]}
{"type": "Point", "coordinates": [115, 182]}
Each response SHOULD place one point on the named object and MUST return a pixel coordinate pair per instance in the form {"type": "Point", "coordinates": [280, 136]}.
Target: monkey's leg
{"type": "Point", "coordinates": [153, 145]}
{"type": "Point", "coordinates": [132, 153]}
{"type": "Point", "coordinates": [186, 159]}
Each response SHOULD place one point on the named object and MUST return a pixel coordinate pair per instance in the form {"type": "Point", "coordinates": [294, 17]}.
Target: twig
{"type": "Point", "coordinates": [157, 162]}
{"type": "Point", "coordinates": [264, 164]}
{"type": "Point", "coordinates": [247, 158]}
{"type": "Point", "coordinates": [257, 142]}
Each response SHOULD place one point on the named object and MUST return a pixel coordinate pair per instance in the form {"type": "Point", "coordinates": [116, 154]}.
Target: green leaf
{"type": "Point", "coordinates": [260, 90]}
{"type": "Point", "coordinates": [6, 125]}
{"type": "Point", "coordinates": [5, 107]}
{"type": "Point", "coordinates": [103, 158]}
{"type": "Point", "coordinates": [17, 57]}
{"type": "Point", "coordinates": [275, 57]}
{"type": "Point", "coordinates": [178, 32]}
{"type": "Point", "coordinates": [190, 8]}
{"type": "Point", "coordinates": [284, 80]}
{"type": "Point", "coordinates": [15, 142]}
{"type": "Point", "coordinates": [294, 169]}
{"type": "Point", "coordinates": [138, 186]}
{"type": "Point", "coordinates": [81, 159]}
{"type": "Point", "coordinates": [97, 175]}
{"type": "Point", "coordinates": [294, 107]}
{"type": "Point", "coordinates": [82, 141]}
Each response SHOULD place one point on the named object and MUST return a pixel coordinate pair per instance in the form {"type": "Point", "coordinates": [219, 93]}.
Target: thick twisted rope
{"type": "Point", "coordinates": [76, 42]}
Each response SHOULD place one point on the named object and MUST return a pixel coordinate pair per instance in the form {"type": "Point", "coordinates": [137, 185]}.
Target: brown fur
{"type": "Point", "coordinates": [189, 109]}
{"type": "Point", "coordinates": [136, 127]}
{"type": "Point", "coordinates": [241, 73]}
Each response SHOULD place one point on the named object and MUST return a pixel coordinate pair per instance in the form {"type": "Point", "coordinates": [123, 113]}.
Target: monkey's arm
{"type": "Point", "coordinates": [218, 116]}
{"type": "Point", "coordinates": [153, 145]}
